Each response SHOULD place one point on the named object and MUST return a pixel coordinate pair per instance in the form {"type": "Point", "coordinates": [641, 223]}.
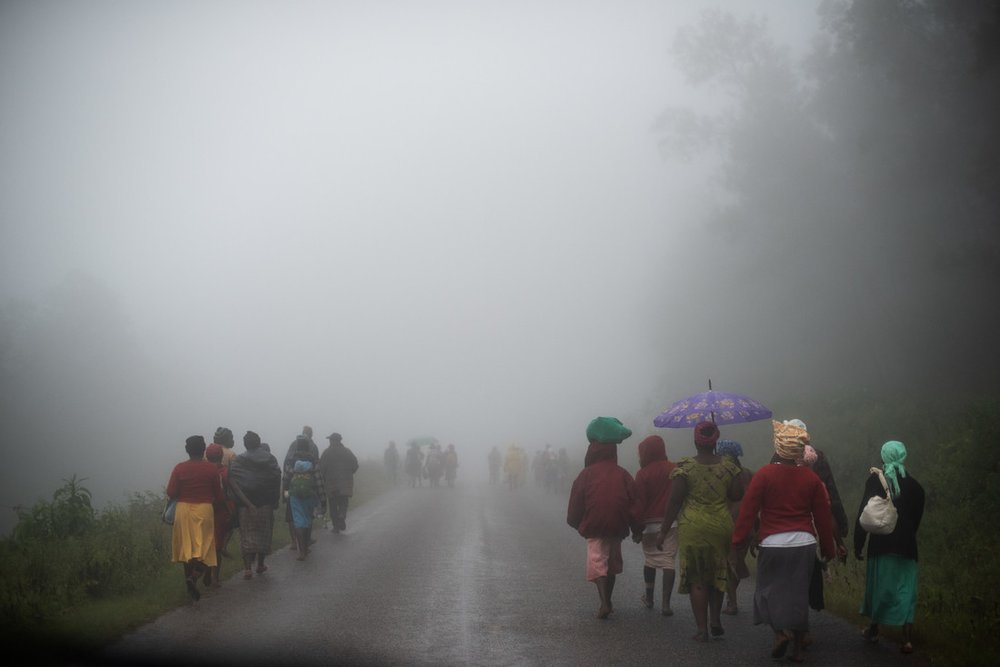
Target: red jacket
{"type": "Point", "coordinates": [601, 499]}
{"type": "Point", "coordinates": [652, 483]}
{"type": "Point", "coordinates": [195, 482]}
{"type": "Point", "coordinates": [787, 498]}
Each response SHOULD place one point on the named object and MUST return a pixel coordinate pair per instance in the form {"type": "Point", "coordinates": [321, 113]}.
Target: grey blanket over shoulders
{"type": "Point", "coordinates": [258, 475]}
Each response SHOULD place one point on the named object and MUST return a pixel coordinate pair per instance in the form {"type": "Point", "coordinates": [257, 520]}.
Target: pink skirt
{"type": "Point", "coordinates": [604, 557]}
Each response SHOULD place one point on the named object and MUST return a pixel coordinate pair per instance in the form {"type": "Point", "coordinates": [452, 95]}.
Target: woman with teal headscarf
{"type": "Point", "coordinates": [891, 581]}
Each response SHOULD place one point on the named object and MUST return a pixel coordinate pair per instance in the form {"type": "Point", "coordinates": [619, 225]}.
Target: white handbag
{"type": "Point", "coordinates": [879, 514]}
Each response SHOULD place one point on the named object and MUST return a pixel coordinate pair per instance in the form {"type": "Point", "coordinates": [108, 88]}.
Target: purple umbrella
{"type": "Point", "coordinates": [717, 406]}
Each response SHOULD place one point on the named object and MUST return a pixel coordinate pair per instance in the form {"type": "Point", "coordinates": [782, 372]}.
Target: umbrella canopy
{"type": "Point", "coordinates": [716, 406]}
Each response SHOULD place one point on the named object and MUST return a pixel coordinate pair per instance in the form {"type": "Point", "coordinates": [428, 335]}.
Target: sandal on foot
{"type": "Point", "coordinates": [730, 611]}
{"type": "Point", "coordinates": [906, 647]}
{"type": "Point", "coordinates": [701, 638]}
{"type": "Point", "coordinates": [647, 602]}
{"type": "Point", "coordinates": [869, 635]}
{"type": "Point", "coordinates": [717, 631]}
{"type": "Point", "coordinates": [261, 569]}
{"type": "Point", "coordinates": [248, 574]}
{"type": "Point", "coordinates": [667, 611]}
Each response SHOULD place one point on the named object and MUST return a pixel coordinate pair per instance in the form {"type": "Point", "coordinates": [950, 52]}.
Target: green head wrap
{"type": "Point", "coordinates": [893, 455]}
{"type": "Point", "coordinates": [607, 430]}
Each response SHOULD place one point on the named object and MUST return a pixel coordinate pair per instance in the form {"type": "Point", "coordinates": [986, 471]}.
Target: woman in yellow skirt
{"type": "Point", "coordinates": [195, 485]}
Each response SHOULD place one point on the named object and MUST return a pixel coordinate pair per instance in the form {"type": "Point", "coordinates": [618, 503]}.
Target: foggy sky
{"type": "Point", "coordinates": [385, 219]}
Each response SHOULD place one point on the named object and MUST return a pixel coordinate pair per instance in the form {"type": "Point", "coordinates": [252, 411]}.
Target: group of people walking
{"type": "Point", "coordinates": [704, 515]}
{"type": "Point", "coordinates": [436, 464]}
{"type": "Point", "coordinates": [218, 491]}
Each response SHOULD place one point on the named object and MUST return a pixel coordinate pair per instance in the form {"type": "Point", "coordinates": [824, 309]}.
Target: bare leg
{"type": "Point", "coordinates": [668, 588]}
{"type": "Point", "coordinates": [699, 606]}
{"type": "Point", "coordinates": [602, 592]}
{"type": "Point", "coordinates": [649, 579]}
{"type": "Point", "coordinates": [714, 608]}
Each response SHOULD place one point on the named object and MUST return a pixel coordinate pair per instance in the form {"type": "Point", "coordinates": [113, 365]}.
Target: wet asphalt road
{"type": "Point", "coordinates": [475, 575]}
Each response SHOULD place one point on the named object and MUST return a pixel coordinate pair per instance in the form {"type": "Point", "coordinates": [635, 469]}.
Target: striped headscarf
{"type": "Point", "coordinates": [893, 455]}
{"type": "Point", "coordinates": [789, 440]}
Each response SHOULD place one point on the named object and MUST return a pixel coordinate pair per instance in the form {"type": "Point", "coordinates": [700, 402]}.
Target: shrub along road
{"type": "Point", "coordinates": [475, 575]}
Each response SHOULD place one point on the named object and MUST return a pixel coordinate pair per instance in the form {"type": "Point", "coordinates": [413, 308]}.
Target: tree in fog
{"type": "Point", "coordinates": [859, 228]}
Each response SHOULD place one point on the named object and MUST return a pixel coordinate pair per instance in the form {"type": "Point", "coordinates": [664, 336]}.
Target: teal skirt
{"type": "Point", "coordinates": [890, 590]}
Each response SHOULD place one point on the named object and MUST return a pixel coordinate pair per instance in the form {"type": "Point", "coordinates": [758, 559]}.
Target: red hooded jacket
{"type": "Point", "coordinates": [601, 499]}
{"type": "Point", "coordinates": [652, 483]}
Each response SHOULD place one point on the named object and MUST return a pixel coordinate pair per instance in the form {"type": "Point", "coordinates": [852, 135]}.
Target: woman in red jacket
{"type": "Point", "coordinates": [652, 490]}
{"type": "Point", "coordinates": [600, 503]}
{"type": "Point", "coordinates": [793, 508]}
{"type": "Point", "coordinates": [196, 486]}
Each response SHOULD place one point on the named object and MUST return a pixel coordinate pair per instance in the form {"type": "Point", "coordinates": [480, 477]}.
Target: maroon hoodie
{"type": "Point", "coordinates": [652, 483]}
{"type": "Point", "coordinates": [602, 495]}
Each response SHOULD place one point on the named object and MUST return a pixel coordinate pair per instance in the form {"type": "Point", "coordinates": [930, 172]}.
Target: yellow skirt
{"type": "Point", "coordinates": [194, 533]}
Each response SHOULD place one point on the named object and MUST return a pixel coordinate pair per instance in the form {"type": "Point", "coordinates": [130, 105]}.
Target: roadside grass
{"type": "Point", "coordinates": [80, 623]}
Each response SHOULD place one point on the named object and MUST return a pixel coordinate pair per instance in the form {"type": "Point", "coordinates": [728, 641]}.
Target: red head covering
{"type": "Point", "coordinates": [213, 453]}
{"type": "Point", "coordinates": [705, 434]}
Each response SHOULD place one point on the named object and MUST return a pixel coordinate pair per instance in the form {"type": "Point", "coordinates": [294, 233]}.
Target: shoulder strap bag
{"type": "Point", "coordinates": [879, 514]}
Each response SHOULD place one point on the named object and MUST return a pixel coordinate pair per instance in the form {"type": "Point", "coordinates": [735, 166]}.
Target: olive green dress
{"type": "Point", "coordinates": [705, 524]}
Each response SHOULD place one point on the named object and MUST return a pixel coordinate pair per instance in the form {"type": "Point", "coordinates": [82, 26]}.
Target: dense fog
{"type": "Point", "coordinates": [485, 222]}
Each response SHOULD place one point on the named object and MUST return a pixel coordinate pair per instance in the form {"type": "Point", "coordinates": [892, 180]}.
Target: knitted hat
{"type": "Point", "coordinates": [607, 430]}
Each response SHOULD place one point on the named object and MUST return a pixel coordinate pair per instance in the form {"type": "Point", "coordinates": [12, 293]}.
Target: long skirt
{"type": "Point", "coordinates": [782, 596]}
{"type": "Point", "coordinates": [255, 530]}
{"type": "Point", "coordinates": [890, 590]}
{"type": "Point", "coordinates": [194, 534]}
{"type": "Point", "coordinates": [302, 510]}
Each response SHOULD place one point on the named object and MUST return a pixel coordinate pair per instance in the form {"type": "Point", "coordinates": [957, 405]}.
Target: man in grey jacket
{"type": "Point", "coordinates": [338, 464]}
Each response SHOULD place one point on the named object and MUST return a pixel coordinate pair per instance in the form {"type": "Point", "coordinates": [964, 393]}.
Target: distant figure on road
{"type": "Point", "coordinates": [450, 465]}
{"type": "Point", "coordinates": [415, 465]}
{"type": "Point", "coordinates": [793, 510]}
{"type": "Point", "coordinates": [196, 486]}
{"type": "Point", "coordinates": [434, 465]}
{"type": "Point", "coordinates": [652, 491]}
{"type": "Point", "coordinates": [600, 504]}
{"type": "Point", "coordinates": [338, 465]}
{"type": "Point", "coordinates": [702, 486]}
{"type": "Point", "coordinates": [495, 459]}
{"type": "Point", "coordinates": [550, 472]}
{"type": "Point", "coordinates": [258, 475]}
{"type": "Point", "coordinates": [891, 580]}
{"type": "Point", "coordinates": [391, 462]}
{"type": "Point", "coordinates": [564, 471]}
{"type": "Point", "coordinates": [515, 467]}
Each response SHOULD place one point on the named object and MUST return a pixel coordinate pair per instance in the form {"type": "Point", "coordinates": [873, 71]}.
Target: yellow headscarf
{"type": "Point", "coordinates": [789, 440]}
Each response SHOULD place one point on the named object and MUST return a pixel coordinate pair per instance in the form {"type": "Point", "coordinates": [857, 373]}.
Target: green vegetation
{"type": "Point", "coordinates": [80, 578]}
{"type": "Point", "coordinates": [954, 452]}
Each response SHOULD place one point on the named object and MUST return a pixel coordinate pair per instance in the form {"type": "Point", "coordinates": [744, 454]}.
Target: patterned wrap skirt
{"type": "Point", "coordinates": [194, 534]}
{"type": "Point", "coordinates": [256, 529]}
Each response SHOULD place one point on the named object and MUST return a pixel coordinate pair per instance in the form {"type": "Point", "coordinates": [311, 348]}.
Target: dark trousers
{"type": "Point", "coordinates": [338, 510]}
